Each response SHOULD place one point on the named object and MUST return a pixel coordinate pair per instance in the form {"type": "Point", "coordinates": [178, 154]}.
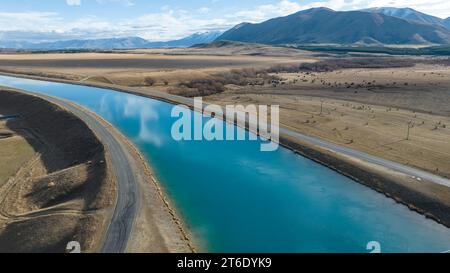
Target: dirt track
{"type": "Point", "coordinates": [141, 219]}
{"type": "Point", "coordinates": [62, 193]}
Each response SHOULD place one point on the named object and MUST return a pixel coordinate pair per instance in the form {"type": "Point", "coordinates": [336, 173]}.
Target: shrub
{"type": "Point", "coordinates": [149, 81]}
{"type": "Point", "coordinates": [217, 82]}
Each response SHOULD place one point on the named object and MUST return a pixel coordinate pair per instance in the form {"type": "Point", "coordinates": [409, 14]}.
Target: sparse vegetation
{"type": "Point", "coordinates": [216, 83]}
{"type": "Point", "coordinates": [337, 64]}
{"type": "Point", "coordinates": [433, 50]}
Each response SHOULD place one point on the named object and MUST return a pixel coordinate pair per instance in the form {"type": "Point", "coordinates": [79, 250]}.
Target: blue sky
{"type": "Point", "coordinates": [161, 20]}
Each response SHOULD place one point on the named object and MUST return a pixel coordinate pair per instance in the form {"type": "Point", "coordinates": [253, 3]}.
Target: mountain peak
{"type": "Point", "coordinates": [447, 23]}
{"type": "Point", "coordinates": [396, 11]}
{"type": "Point", "coordinates": [319, 9]}
{"type": "Point", "coordinates": [391, 8]}
{"type": "Point", "coordinates": [241, 25]}
{"type": "Point", "coordinates": [408, 14]}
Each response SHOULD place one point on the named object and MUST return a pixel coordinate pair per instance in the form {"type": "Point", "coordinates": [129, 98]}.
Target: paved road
{"type": "Point", "coordinates": [413, 172]}
{"type": "Point", "coordinates": [127, 201]}
{"type": "Point", "coordinates": [8, 117]}
{"type": "Point", "coordinates": [410, 171]}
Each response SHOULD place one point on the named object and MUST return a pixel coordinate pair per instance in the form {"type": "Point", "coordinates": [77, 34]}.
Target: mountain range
{"type": "Point", "coordinates": [326, 26]}
{"type": "Point", "coordinates": [374, 26]}
{"type": "Point", "coordinates": [112, 43]}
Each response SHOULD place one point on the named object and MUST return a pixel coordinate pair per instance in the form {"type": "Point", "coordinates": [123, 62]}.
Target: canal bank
{"type": "Point", "coordinates": [142, 218]}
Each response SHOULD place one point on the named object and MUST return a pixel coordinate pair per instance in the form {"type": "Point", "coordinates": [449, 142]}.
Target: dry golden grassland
{"type": "Point", "coordinates": [368, 102]}
{"type": "Point", "coordinates": [15, 151]}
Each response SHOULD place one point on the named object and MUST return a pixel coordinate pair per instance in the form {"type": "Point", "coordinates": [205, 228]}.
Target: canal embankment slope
{"type": "Point", "coordinates": [63, 191]}
{"type": "Point", "coordinates": [136, 217]}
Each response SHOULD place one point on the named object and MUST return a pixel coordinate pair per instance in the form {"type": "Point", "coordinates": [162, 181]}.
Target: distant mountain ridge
{"type": "Point", "coordinates": [196, 38]}
{"type": "Point", "coordinates": [326, 26]}
{"type": "Point", "coordinates": [112, 43]}
{"type": "Point", "coordinates": [410, 14]}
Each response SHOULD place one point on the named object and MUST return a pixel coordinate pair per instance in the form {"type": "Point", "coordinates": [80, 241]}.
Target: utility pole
{"type": "Point", "coordinates": [321, 107]}
{"type": "Point", "coordinates": [410, 125]}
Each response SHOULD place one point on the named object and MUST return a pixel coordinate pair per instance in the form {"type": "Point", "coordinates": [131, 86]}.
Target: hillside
{"type": "Point", "coordinates": [447, 22]}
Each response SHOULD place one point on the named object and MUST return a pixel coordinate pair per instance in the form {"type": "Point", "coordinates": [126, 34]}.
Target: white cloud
{"type": "Point", "coordinates": [73, 2]}
{"type": "Point", "coordinates": [168, 23]}
{"type": "Point", "coordinates": [264, 12]}
{"type": "Point", "coordinates": [171, 24]}
{"type": "Point", "coordinates": [28, 20]}
{"type": "Point", "coordinates": [127, 3]}
{"type": "Point", "coordinates": [204, 10]}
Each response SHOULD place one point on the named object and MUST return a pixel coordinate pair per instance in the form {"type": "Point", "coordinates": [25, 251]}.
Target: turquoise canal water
{"type": "Point", "coordinates": [235, 198]}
